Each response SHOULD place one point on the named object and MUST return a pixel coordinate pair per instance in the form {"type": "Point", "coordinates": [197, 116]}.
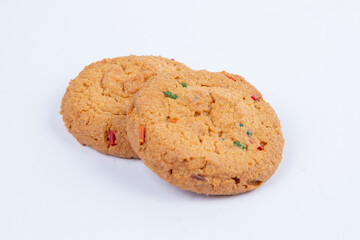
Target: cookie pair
{"type": "Point", "coordinates": [210, 133]}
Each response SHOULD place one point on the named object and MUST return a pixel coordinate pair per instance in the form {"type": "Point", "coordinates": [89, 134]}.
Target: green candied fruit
{"type": "Point", "coordinates": [242, 146]}
{"type": "Point", "coordinates": [170, 95]}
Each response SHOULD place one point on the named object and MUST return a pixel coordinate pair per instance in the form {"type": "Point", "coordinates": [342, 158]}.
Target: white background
{"type": "Point", "coordinates": [304, 56]}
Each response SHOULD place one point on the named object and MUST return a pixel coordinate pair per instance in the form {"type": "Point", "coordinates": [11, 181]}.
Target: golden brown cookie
{"type": "Point", "coordinates": [210, 133]}
{"type": "Point", "coordinates": [95, 103]}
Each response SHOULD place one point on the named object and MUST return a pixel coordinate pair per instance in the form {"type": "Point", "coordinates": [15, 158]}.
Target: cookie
{"type": "Point", "coordinates": [95, 103]}
{"type": "Point", "coordinates": [210, 133]}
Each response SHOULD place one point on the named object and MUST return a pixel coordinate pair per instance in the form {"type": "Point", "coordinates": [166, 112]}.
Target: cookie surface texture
{"type": "Point", "coordinates": [95, 103]}
{"type": "Point", "coordinates": [210, 133]}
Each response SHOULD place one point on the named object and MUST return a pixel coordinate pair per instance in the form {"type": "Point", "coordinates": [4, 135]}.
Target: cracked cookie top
{"type": "Point", "coordinates": [210, 133]}
{"type": "Point", "coordinates": [95, 103]}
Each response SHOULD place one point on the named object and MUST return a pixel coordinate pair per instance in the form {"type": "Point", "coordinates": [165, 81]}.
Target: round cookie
{"type": "Point", "coordinates": [210, 133]}
{"type": "Point", "coordinates": [95, 103]}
